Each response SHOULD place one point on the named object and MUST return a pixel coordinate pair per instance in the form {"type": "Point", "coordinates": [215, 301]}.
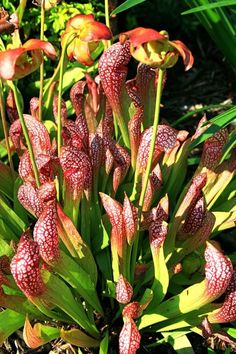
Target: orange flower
{"type": "Point", "coordinates": [154, 48]}
{"type": "Point", "coordinates": [88, 33]}
{"type": "Point", "coordinates": [19, 62]}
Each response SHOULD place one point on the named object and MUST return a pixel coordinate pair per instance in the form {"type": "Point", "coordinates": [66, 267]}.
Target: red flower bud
{"type": "Point", "coordinates": [134, 127]}
{"type": "Point", "coordinates": [38, 134]}
{"type": "Point", "coordinates": [166, 140]}
{"type": "Point", "coordinates": [72, 136]}
{"type": "Point", "coordinates": [34, 107]}
{"type": "Point", "coordinates": [63, 109]}
{"type": "Point", "coordinates": [157, 235]}
{"type": "Point", "coordinates": [130, 216]}
{"type": "Point", "coordinates": [190, 198]}
{"type": "Point", "coordinates": [194, 219]}
{"type": "Point", "coordinates": [213, 148]}
{"type": "Point", "coordinates": [115, 213]}
{"type": "Point", "coordinates": [132, 310]}
{"type": "Point", "coordinates": [157, 214]}
{"type": "Point", "coordinates": [29, 197]}
{"type": "Point", "coordinates": [77, 170]}
{"type": "Point", "coordinates": [113, 71]}
{"type": "Point", "coordinates": [11, 107]}
{"type": "Point", "coordinates": [154, 183]}
{"type": "Point", "coordinates": [121, 163]}
{"type": "Point", "coordinates": [77, 96]}
{"type": "Point", "coordinates": [45, 234]}
{"type": "Point", "coordinates": [25, 267]}
{"type": "Point", "coordinates": [124, 290]}
{"type": "Point", "coordinates": [218, 271]}
{"type": "Point", "coordinates": [227, 312]}
{"type": "Point", "coordinates": [129, 339]}
{"type": "Point", "coordinates": [96, 152]}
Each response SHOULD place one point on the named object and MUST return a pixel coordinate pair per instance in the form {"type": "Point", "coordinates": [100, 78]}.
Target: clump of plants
{"type": "Point", "coordinates": [106, 233]}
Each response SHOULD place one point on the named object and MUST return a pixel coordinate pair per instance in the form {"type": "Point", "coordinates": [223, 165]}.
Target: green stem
{"type": "Point", "coordinates": [107, 19]}
{"type": "Point", "coordinates": [5, 130]}
{"type": "Point", "coordinates": [26, 134]}
{"type": "Point", "coordinates": [148, 169]}
{"type": "Point", "coordinates": [135, 186]}
{"type": "Point", "coordinates": [85, 219]}
{"type": "Point", "coordinates": [119, 118]}
{"type": "Point", "coordinates": [153, 141]}
{"type": "Point", "coordinates": [50, 82]}
{"type": "Point", "coordinates": [60, 87]}
{"type": "Point", "coordinates": [42, 64]}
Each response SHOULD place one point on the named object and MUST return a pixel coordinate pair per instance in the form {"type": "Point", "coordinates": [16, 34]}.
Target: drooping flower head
{"type": "Point", "coordinates": [154, 48]}
{"type": "Point", "coordinates": [18, 62]}
{"type": "Point", "coordinates": [87, 35]}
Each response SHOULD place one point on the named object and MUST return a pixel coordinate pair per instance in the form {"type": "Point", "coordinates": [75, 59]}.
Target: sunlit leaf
{"type": "Point", "coordinates": [5, 249]}
{"type": "Point", "coordinates": [77, 337]}
{"type": "Point", "coordinates": [182, 345]}
{"type": "Point", "coordinates": [231, 332]}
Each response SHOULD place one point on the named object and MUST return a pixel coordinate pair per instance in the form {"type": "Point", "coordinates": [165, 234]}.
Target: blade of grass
{"type": "Point", "coordinates": [199, 110]}
{"type": "Point", "coordinates": [210, 6]}
{"type": "Point", "coordinates": [218, 122]}
{"type": "Point", "coordinates": [126, 5]}
{"type": "Point", "coordinates": [220, 28]}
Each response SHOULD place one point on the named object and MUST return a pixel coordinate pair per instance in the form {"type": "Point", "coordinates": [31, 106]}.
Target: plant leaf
{"type": "Point", "coordinates": [126, 5]}
{"type": "Point", "coordinates": [14, 321]}
{"type": "Point", "coordinates": [79, 279]}
{"type": "Point", "coordinates": [5, 231]}
{"type": "Point", "coordinates": [199, 110]}
{"type": "Point", "coordinates": [182, 345]}
{"type": "Point", "coordinates": [104, 344]}
{"type": "Point", "coordinates": [6, 181]}
{"type": "Point", "coordinates": [231, 143]}
{"type": "Point", "coordinates": [11, 218]}
{"type": "Point", "coordinates": [5, 249]}
{"type": "Point", "coordinates": [38, 334]}
{"type": "Point", "coordinates": [18, 208]}
{"type": "Point", "coordinates": [210, 6]}
{"type": "Point", "coordinates": [77, 337]}
{"type": "Point", "coordinates": [218, 122]}
{"type": "Point", "coordinates": [76, 246]}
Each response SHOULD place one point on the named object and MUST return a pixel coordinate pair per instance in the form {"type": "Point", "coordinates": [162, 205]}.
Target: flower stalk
{"type": "Point", "coordinates": [60, 86]}
{"type": "Point", "coordinates": [5, 130]}
{"type": "Point", "coordinates": [154, 134]}
{"type": "Point", "coordinates": [42, 64]}
{"type": "Point", "coordinates": [149, 165]}
{"type": "Point", "coordinates": [107, 20]}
